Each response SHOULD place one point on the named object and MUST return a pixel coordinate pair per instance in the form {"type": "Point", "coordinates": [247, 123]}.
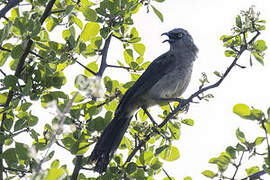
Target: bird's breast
{"type": "Point", "coordinates": [173, 84]}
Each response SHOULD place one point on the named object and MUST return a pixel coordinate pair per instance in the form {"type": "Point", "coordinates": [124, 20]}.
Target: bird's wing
{"type": "Point", "coordinates": [155, 71]}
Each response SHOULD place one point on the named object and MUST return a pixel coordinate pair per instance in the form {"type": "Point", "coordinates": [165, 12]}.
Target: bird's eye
{"type": "Point", "coordinates": [180, 35]}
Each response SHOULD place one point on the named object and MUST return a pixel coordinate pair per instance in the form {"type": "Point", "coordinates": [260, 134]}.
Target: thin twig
{"type": "Point", "coordinates": [3, 72]}
{"type": "Point", "coordinates": [238, 165]}
{"type": "Point", "coordinates": [94, 73]}
{"type": "Point", "coordinates": [114, 66]}
{"type": "Point", "coordinates": [166, 174]}
{"type": "Point", "coordinates": [59, 11]}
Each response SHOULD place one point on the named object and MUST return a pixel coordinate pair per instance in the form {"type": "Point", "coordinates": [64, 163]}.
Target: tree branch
{"type": "Point", "coordinates": [190, 99]}
{"type": "Point", "coordinates": [11, 4]}
{"type": "Point", "coordinates": [47, 11]}
{"type": "Point", "coordinates": [77, 167]}
{"type": "Point", "coordinates": [104, 64]}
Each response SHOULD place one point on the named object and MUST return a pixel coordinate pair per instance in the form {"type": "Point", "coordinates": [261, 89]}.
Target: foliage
{"type": "Point", "coordinates": [36, 66]}
{"type": "Point", "coordinates": [245, 150]}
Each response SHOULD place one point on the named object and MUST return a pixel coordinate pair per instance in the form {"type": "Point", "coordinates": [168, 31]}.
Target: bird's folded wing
{"type": "Point", "coordinates": [155, 71]}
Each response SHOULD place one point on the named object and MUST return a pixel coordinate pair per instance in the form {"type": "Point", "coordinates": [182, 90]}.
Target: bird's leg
{"type": "Point", "coordinates": [149, 115]}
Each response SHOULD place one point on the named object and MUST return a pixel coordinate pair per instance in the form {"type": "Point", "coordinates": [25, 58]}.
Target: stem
{"type": "Point", "coordinates": [238, 165]}
{"type": "Point", "coordinates": [77, 167]}
{"type": "Point", "coordinates": [103, 64]}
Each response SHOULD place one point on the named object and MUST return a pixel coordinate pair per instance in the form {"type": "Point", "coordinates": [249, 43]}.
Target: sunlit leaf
{"type": "Point", "coordinates": [209, 173]}
{"type": "Point", "coordinates": [90, 30]}
{"type": "Point", "coordinates": [158, 13]}
{"type": "Point", "coordinates": [170, 154]}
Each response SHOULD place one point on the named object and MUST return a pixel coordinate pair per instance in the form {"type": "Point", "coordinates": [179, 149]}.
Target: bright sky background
{"type": "Point", "coordinates": [215, 124]}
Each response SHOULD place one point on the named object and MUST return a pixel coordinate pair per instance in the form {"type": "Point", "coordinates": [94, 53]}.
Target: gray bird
{"type": "Point", "coordinates": [165, 79]}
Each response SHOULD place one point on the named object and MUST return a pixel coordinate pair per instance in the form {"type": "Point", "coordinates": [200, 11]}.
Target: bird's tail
{"type": "Point", "coordinates": [109, 141]}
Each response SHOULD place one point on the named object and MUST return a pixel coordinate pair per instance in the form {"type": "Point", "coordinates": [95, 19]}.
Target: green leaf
{"type": "Point", "coordinates": [128, 55]}
{"type": "Point", "coordinates": [170, 154]}
{"type": "Point", "coordinates": [229, 53]}
{"type": "Point", "coordinates": [238, 21]}
{"type": "Point", "coordinates": [143, 117]}
{"type": "Point", "coordinates": [5, 31]}
{"type": "Point", "coordinates": [89, 14]}
{"type": "Point", "coordinates": [160, 1]}
{"type": "Point", "coordinates": [79, 98]}
{"type": "Point", "coordinates": [161, 149]}
{"type": "Point", "coordinates": [22, 151]}
{"type": "Point", "coordinates": [240, 147]}
{"type": "Point", "coordinates": [69, 8]}
{"type": "Point", "coordinates": [10, 81]}
{"type": "Point", "coordinates": [259, 140]}
{"type": "Point", "coordinates": [93, 66]}
{"type": "Point", "coordinates": [20, 124]}
{"type": "Point", "coordinates": [96, 42]}
{"type": "Point", "coordinates": [55, 163]}
{"type": "Point", "coordinates": [187, 178]}
{"type": "Point", "coordinates": [82, 148]}
{"type": "Point", "coordinates": [55, 174]}
{"type": "Point", "coordinates": [139, 48]}
{"type": "Point", "coordinates": [134, 33]}
{"type": "Point", "coordinates": [240, 135]}
{"type": "Point", "coordinates": [226, 38]}
{"type": "Point", "coordinates": [242, 110]}
{"type": "Point", "coordinates": [209, 174]}
{"type": "Point", "coordinates": [231, 151]}
{"type": "Point", "coordinates": [10, 157]}
{"type": "Point", "coordinates": [36, 28]}
{"type": "Point", "coordinates": [131, 167]}
{"type": "Point", "coordinates": [252, 170]}
{"type": "Point", "coordinates": [159, 14]}
{"type": "Point", "coordinates": [174, 130]}
{"type": "Point", "coordinates": [17, 51]}
{"type": "Point", "coordinates": [3, 98]}
{"type": "Point", "coordinates": [90, 30]}
{"type": "Point", "coordinates": [51, 24]}
{"type": "Point", "coordinates": [3, 57]}
{"type": "Point", "coordinates": [260, 45]}
{"type": "Point", "coordinates": [189, 122]}
{"type": "Point", "coordinates": [156, 164]}
{"type": "Point", "coordinates": [78, 22]}
{"type": "Point", "coordinates": [147, 156]}
{"type": "Point", "coordinates": [258, 57]}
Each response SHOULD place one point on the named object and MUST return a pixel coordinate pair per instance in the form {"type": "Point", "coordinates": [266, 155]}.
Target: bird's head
{"type": "Point", "coordinates": [181, 40]}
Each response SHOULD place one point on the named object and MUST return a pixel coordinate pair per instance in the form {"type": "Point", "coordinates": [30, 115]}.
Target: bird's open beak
{"type": "Point", "coordinates": [166, 40]}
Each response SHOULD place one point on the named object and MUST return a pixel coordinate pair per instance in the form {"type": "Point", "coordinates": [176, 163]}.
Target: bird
{"type": "Point", "coordinates": [164, 80]}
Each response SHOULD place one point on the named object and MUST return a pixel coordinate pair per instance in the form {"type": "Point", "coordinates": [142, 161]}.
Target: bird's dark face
{"type": "Point", "coordinates": [181, 42]}
{"type": "Point", "coordinates": [177, 34]}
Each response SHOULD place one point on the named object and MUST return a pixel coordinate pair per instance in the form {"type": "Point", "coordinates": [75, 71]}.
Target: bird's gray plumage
{"type": "Point", "coordinates": [166, 77]}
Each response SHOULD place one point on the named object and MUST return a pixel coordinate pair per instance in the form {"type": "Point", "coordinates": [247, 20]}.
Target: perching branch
{"type": "Point", "coordinates": [182, 105]}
